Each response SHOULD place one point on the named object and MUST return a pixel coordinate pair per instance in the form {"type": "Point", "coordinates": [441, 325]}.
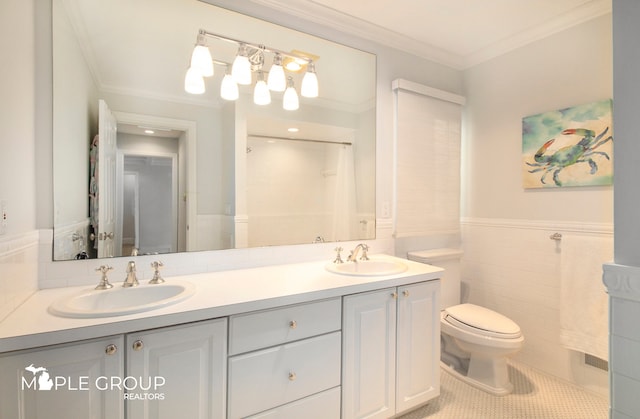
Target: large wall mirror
{"type": "Point", "coordinates": [143, 167]}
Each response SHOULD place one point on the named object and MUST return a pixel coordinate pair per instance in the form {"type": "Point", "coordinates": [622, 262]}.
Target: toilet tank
{"type": "Point", "coordinates": [449, 260]}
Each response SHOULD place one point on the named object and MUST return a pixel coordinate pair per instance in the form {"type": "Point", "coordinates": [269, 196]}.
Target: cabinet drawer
{"type": "Point", "coordinates": [248, 332]}
{"type": "Point", "coordinates": [272, 377]}
{"type": "Point", "coordinates": [325, 405]}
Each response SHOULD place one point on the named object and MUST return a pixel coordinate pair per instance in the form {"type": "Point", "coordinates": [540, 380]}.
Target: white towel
{"type": "Point", "coordinates": [584, 312]}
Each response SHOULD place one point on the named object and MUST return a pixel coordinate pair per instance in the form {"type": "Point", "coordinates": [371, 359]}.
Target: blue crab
{"type": "Point", "coordinates": [570, 155]}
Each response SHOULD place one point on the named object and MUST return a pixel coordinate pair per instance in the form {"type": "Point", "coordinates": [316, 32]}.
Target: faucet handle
{"type": "Point", "coordinates": [365, 249]}
{"type": "Point", "coordinates": [338, 258]}
{"type": "Point", "coordinates": [104, 281]}
{"type": "Point", "coordinates": [157, 279]}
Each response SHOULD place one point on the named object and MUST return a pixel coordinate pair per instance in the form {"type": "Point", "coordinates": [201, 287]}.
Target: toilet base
{"type": "Point", "coordinates": [502, 390]}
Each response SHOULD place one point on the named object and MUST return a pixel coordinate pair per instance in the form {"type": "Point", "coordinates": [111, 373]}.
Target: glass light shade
{"type": "Point", "coordinates": [193, 82]}
{"type": "Point", "coordinates": [202, 61]}
{"type": "Point", "coordinates": [241, 68]}
{"type": "Point", "coordinates": [277, 81]}
{"type": "Point", "coordinates": [229, 88]}
{"type": "Point", "coordinates": [261, 93]}
{"type": "Point", "coordinates": [290, 100]}
{"type": "Point", "coordinates": [309, 86]}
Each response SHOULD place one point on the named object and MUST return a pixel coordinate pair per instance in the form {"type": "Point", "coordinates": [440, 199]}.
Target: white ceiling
{"type": "Point", "coordinates": [458, 33]}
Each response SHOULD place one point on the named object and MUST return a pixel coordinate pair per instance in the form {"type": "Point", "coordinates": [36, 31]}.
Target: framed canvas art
{"type": "Point", "coordinates": [568, 147]}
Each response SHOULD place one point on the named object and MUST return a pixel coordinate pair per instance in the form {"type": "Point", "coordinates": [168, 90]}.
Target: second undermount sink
{"type": "Point", "coordinates": [119, 301]}
{"type": "Point", "coordinates": [371, 267]}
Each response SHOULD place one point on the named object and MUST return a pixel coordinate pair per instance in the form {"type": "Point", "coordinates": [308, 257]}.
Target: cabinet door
{"type": "Point", "coordinates": [418, 345]}
{"type": "Point", "coordinates": [369, 353]}
{"type": "Point", "coordinates": [64, 381]}
{"type": "Point", "coordinates": [190, 363]}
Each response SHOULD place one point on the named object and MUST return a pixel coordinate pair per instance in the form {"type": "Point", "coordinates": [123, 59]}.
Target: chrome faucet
{"type": "Point", "coordinates": [353, 256]}
{"type": "Point", "coordinates": [131, 280]}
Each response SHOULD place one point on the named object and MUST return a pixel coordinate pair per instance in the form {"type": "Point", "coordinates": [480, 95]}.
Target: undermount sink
{"type": "Point", "coordinates": [119, 301]}
{"type": "Point", "coordinates": [371, 267]}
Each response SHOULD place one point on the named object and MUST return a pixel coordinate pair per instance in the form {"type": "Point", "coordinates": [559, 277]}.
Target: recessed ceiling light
{"type": "Point", "coordinates": [293, 129]}
{"type": "Point", "coordinates": [149, 131]}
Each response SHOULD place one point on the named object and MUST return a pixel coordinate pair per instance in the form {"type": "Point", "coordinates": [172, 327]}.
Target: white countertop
{"type": "Point", "coordinates": [218, 294]}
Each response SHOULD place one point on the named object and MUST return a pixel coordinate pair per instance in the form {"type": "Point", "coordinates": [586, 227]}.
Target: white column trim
{"type": "Point", "coordinates": [622, 281]}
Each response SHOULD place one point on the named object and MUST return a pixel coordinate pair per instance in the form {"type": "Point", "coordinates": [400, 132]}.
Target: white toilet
{"type": "Point", "coordinates": [475, 341]}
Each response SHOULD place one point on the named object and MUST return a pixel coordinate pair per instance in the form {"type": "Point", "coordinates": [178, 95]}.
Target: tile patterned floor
{"type": "Point", "coordinates": [535, 396]}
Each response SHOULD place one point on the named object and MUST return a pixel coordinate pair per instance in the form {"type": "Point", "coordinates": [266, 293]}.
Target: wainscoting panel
{"type": "Point", "coordinates": [513, 267]}
{"type": "Point", "coordinates": [18, 270]}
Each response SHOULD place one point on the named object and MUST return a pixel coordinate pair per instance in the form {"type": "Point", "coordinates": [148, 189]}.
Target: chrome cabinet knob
{"type": "Point", "coordinates": [293, 324]}
{"type": "Point", "coordinates": [405, 293]}
{"type": "Point", "coordinates": [394, 295]}
{"type": "Point", "coordinates": [138, 345]}
{"type": "Point", "coordinates": [111, 349]}
{"type": "Point", "coordinates": [292, 376]}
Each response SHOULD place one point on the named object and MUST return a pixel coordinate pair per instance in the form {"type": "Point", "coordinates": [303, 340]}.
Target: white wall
{"type": "Point", "coordinates": [17, 118]}
{"type": "Point", "coordinates": [18, 245]}
{"type": "Point", "coordinates": [76, 122]}
{"type": "Point", "coordinates": [275, 172]}
{"type": "Point", "coordinates": [510, 264]}
{"type": "Point", "coordinates": [570, 68]}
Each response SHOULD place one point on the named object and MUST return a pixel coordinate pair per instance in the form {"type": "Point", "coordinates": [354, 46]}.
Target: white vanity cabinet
{"type": "Point", "coordinates": [171, 372]}
{"type": "Point", "coordinates": [391, 350]}
{"type": "Point", "coordinates": [70, 381]}
{"type": "Point", "coordinates": [307, 343]}
{"type": "Point", "coordinates": [184, 368]}
{"type": "Point", "coordinates": [285, 362]}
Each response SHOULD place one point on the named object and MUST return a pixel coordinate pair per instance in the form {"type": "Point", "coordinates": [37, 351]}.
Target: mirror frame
{"type": "Point", "coordinates": [373, 89]}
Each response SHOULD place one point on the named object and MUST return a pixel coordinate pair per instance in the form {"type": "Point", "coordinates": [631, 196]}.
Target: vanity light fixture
{"type": "Point", "coordinates": [250, 58]}
{"type": "Point", "coordinates": [290, 100]}
{"type": "Point", "coordinates": [241, 69]}
{"type": "Point", "coordinates": [309, 86]}
{"type": "Point", "coordinates": [277, 80]}
{"type": "Point", "coordinates": [194, 82]}
{"type": "Point", "coordinates": [261, 94]}
{"type": "Point", "coordinates": [201, 58]}
{"type": "Point", "coordinates": [229, 88]}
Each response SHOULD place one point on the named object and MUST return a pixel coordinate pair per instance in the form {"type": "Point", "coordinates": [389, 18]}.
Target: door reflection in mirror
{"type": "Point", "coordinates": [147, 191]}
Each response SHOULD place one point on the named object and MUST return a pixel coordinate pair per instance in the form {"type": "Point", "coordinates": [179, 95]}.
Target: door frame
{"type": "Point", "coordinates": [188, 172]}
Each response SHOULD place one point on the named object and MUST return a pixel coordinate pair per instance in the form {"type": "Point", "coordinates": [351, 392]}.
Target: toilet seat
{"type": "Point", "coordinates": [480, 320]}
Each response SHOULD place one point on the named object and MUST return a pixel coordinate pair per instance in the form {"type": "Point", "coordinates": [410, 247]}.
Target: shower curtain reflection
{"type": "Point", "coordinates": [344, 199]}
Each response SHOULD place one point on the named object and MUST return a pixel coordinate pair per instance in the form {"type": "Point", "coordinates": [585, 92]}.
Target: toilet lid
{"type": "Point", "coordinates": [478, 319]}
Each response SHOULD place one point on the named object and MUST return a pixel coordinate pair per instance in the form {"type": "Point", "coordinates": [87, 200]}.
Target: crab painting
{"type": "Point", "coordinates": [583, 151]}
{"type": "Point", "coordinates": [568, 147]}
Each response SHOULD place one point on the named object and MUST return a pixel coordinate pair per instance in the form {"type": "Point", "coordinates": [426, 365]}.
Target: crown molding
{"type": "Point", "coordinates": [578, 15]}
{"type": "Point", "coordinates": [342, 22]}
{"type": "Point", "coordinates": [312, 11]}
